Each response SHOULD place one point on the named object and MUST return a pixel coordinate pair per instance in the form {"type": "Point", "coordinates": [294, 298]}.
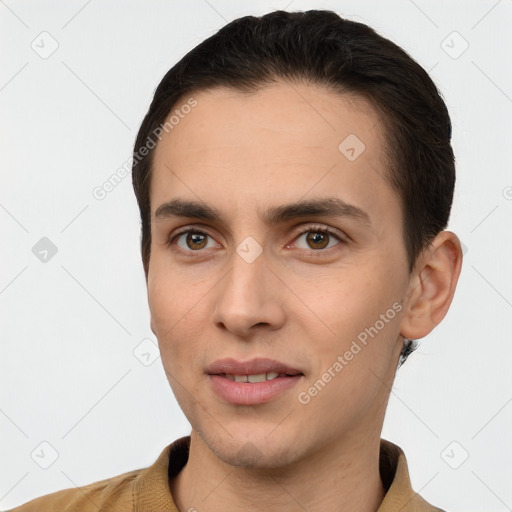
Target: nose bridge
{"type": "Point", "coordinates": [245, 297]}
{"type": "Point", "coordinates": [247, 281]}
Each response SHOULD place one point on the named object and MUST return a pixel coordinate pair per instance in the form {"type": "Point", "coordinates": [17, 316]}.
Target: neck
{"type": "Point", "coordinates": [337, 478]}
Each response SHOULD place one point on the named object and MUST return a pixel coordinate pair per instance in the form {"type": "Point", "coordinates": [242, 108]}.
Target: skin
{"type": "Point", "coordinates": [296, 303]}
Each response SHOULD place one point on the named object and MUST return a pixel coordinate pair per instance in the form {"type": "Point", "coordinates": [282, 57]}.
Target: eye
{"type": "Point", "coordinates": [317, 238]}
{"type": "Point", "coordinates": [192, 241]}
{"type": "Point", "coordinates": [313, 239]}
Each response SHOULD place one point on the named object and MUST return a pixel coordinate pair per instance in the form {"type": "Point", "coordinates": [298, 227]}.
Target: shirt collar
{"type": "Point", "coordinates": [151, 492]}
{"type": "Point", "coordinates": [394, 473]}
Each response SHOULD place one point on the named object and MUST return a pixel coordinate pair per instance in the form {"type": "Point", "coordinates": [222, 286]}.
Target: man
{"type": "Point", "coordinates": [295, 176]}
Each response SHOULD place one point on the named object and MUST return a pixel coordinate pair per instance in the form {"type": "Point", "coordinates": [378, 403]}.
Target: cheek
{"type": "Point", "coordinates": [168, 295]}
{"type": "Point", "coordinates": [177, 325]}
{"type": "Point", "coordinates": [168, 308]}
{"type": "Point", "coordinates": [349, 376]}
{"type": "Point", "coordinates": [346, 304]}
{"type": "Point", "coordinates": [360, 324]}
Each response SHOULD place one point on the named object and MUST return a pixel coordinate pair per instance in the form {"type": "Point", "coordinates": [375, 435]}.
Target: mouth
{"type": "Point", "coordinates": [254, 367]}
{"type": "Point", "coordinates": [259, 377]}
{"type": "Point", "coordinates": [251, 382]}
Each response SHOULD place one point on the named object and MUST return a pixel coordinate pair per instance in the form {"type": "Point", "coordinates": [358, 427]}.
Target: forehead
{"type": "Point", "coordinates": [305, 115]}
{"type": "Point", "coordinates": [285, 139]}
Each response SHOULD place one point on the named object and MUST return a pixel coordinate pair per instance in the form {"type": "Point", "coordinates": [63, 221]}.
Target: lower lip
{"type": "Point", "coordinates": [245, 393]}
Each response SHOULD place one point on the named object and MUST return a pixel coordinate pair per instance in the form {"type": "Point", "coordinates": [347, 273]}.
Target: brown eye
{"type": "Point", "coordinates": [317, 239]}
{"type": "Point", "coordinates": [192, 240]}
{"type": "Point", "coordinates": [195, 241]}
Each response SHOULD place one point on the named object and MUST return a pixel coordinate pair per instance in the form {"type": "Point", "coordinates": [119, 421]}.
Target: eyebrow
{"type": "Point", "coordinates": [329, 206]}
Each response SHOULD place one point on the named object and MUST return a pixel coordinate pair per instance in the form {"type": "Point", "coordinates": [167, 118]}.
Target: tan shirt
{"type": "Point", "coordinates": [147, 490]}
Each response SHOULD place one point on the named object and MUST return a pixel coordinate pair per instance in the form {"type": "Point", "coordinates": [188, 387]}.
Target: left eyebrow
{"type": "Point", "coordinates": [328, 207]}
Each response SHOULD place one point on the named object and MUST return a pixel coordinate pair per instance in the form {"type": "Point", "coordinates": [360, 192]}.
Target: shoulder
{"type": "Point", "coordinates": [140, 489]}
{"type": "Point", "coordinates": [113, 494]}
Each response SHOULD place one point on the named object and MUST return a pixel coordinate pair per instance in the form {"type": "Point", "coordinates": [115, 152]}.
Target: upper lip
{"type": "Point", "coordinates": [252, 367]}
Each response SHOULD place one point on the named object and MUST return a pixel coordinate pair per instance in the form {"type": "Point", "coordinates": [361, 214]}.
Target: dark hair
{"type": "Point", "coordinates": [320, 47]}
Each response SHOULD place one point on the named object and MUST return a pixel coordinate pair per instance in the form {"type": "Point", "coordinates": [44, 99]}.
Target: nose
{"type": "Point", "coordinates": [249, 298]}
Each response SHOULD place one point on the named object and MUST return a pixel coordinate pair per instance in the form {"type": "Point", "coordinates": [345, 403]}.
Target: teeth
{"type": "Point", "coordinates": [261, 377]}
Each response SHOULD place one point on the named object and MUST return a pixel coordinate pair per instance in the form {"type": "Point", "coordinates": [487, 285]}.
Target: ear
{"type": "Point", "coordinates": [432, 286]}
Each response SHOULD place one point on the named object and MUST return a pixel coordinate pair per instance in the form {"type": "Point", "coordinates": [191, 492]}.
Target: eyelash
{"type": "Point", "coordinates": [324, 230]}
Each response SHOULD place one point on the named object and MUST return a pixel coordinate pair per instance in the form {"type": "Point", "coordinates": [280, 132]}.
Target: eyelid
{"type": "Point", "coordinates": [302, 230]}
{"type": "Point", "coordinates": [195, 228]}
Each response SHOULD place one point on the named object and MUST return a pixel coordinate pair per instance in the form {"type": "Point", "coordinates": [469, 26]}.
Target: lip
{"type": "Point", "coordinates": [245, 393]}
{"type": "Point", "coordinates": [251, 367]}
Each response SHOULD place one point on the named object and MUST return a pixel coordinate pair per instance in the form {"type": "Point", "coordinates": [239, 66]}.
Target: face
{"type": "Point", "coordinates": [245, 285]}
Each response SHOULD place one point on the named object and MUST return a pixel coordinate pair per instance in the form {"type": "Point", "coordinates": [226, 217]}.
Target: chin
{"type": "Point", "coordinates": [254, 451]}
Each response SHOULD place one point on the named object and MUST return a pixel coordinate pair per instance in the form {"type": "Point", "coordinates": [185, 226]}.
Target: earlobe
{"type": "Point", "coordinates": [432, 286]}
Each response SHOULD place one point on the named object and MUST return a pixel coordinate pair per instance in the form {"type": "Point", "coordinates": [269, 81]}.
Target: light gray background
{"type": "Point", "coordinates": [70, 326]}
